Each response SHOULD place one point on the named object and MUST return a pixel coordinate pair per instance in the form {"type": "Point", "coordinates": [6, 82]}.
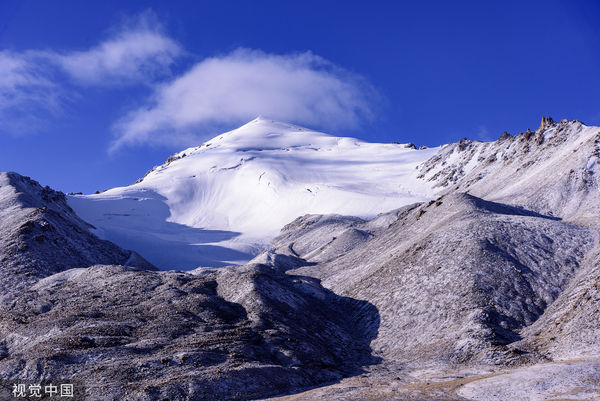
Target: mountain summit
{"type": "Point", "coordinates": [222, 202]}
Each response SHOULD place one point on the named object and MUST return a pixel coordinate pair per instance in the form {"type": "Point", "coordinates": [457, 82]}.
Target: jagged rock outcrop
{"type": "Point", "coordinates": [546, 123]}
{"type": "Point", "coordinates": [553, 171]}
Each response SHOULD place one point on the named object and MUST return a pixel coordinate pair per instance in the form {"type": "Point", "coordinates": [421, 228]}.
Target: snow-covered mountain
{"type": "Point", "coordinates": [222, 202]}
{"type": "Point", "coordinates": [490, 289]}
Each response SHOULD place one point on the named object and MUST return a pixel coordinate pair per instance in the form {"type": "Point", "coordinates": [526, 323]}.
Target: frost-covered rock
{"type": "Point", "coordinates": [553, 171]}
{"type": "Point", "coordinates": [231, 333]}
{"type": "Point", "coordinates": [453, 280]}
{"type": "Point", "coordinates": [40, 235]}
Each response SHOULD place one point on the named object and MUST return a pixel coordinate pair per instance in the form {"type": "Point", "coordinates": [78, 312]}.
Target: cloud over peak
{"type": "Point", "coordinates": [236, 87]}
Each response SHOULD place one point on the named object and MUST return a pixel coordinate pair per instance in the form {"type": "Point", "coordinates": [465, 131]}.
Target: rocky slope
{"type": "Point", "coordinates": [41, 235]}
{"type": "Point", "coordinates": [120, 333]}
{"type": "Point", "coordinates": [454, 280]}
{"type": "Point", "coordinates": [553, 170]}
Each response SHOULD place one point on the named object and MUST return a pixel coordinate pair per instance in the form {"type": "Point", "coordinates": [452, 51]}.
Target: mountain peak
{"type": "Point", "coordinates": [222, 202]}
{"type": "Point", "coordinates": [271, 124]}
{"type": "Point", "coordinates": [546, 123]}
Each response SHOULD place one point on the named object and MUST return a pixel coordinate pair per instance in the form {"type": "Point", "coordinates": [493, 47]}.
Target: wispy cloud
{"type": "Point", "coordinates": [138, 52]}
{"type": "Point", "coordinates": [27, 92]}
{"type": "Point", "coordinates": [234, 88]}
{"type": "Point", "coordinates": [34, 84]}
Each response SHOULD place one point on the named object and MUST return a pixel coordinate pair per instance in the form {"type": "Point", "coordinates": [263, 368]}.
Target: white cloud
{"type": "Point", "coordinates": [27, 92]}
{"type": "Point", "coordinates": [136, 53]}
{"type": "Point", "coordinates": [35, 84]}
{"type": "Point", "coordinates": [216, 92]}
{"type": "Point", "coordinates": [237, 87]}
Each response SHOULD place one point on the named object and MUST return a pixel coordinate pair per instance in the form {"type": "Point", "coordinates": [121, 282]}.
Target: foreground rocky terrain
{"type": "Point", "coordinates": [489, 291]}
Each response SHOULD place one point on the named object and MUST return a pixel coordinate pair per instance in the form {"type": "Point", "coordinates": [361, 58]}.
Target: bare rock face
{"type": "Point", "coordinates": [40, 235]}
{"type": "Point", "coordinates": [546, 123]}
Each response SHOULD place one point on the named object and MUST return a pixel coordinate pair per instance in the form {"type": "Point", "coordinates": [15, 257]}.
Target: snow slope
{"type": "Point", "coordinates": [222, 202]}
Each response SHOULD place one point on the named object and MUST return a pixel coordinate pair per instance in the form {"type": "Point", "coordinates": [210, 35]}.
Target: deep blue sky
{"type": "Point", "coordinates": [444, 70]}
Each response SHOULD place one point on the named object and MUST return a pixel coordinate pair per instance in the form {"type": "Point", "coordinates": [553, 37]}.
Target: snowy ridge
{"type": "Point", "coordinates": [222, 202]}
{"type": "Point", "coordinates": [40, 236]}
{"type": "Point", "coordinates": [553, 170]}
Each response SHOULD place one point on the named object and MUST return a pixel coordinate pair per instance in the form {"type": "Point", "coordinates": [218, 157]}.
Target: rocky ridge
{"type": "Point", "coordinates": [553, 170]}
{"type": "Point", "coordinates": [41, 236]}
